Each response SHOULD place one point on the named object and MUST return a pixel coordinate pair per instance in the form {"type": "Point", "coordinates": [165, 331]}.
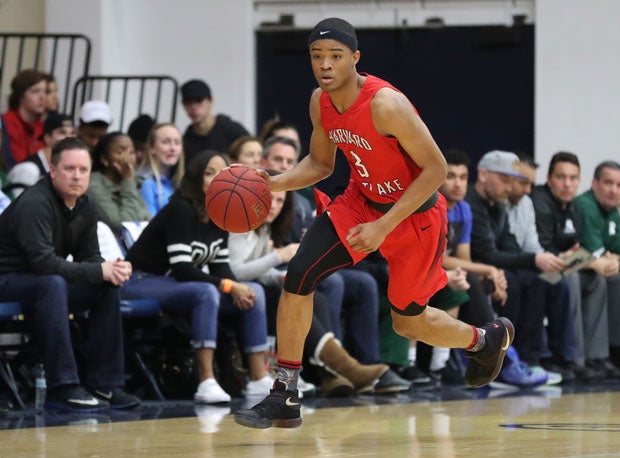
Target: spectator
{"type": "Point", "coordinates": [51, 95]}
{"type": "Point", "coordinates": [170, 258]}
{"type": "Point", "coordinates": [50, 221]}
{"type": "Point", "coordinates": [600, 224]}
{"type": "Point", "coordinates": [493, 243]}
{"type": "Point", "coordinates": [94, 120]}
{"type": "Point", "coordinates": [562, 342]}
{"type": "Point", "coordinates": [23, 123]}
{"type": "Point", "coordinates": [163, 166]}
{"type": "Point", "coordinates": [253, 257]}
{"type": "Point", "coordinates": [458, 251]}
{"type": "Point", "coordinates": [281, 154]}
{"type": "Point", "coordinates": [113, 187]}
{"type": "Point", "coordinates": [486, 281]}
{"type": "Point", "coordinates": [26, 173]}
{"type": "Point", "coordinates": [558, 232]}
{"type": "Point", "coordinates": [277, 128]}
{"type": "Point", "coordinates": [246, 150]}
{"type": "Point", "coordinates": [207, 131]}
{"type": "Point", "coordinates": [139, 132]}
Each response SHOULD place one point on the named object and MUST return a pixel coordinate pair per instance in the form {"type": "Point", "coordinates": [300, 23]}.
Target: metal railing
{"type": "Point", "coordinates": [129, 96]}
{"type": "Point", "coordinates": [64, 56]}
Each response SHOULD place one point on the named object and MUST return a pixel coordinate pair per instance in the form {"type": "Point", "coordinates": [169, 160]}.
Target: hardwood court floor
{"type": "Point", "coordinates": [542, 423]}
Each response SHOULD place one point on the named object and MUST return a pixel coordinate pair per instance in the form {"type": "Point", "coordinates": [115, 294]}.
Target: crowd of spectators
{"type": "Point", "coordinates": [61, 176]}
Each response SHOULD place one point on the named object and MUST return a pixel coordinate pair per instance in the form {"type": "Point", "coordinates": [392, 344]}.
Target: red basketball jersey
{"type": "Point", "coordinates": [379, 165]}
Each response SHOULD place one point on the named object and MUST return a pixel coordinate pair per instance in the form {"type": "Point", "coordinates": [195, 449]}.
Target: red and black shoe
{"type": "Point", "coordinates": [486, 363]}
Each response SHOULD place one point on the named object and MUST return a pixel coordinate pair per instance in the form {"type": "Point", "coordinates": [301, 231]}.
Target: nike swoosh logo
{"type": "Point", "coordinates": [323, 32]}
{"type": "Point", "coordinates": [426, 227]}
{"type": "Point", "coordinates": [86, 402]}
{"type": "Point", "coordinates": [107, 395]}
{"type": "Point", "coordinates": [507, 344]}
{"type": "Point", "coordinates": [291, 403]}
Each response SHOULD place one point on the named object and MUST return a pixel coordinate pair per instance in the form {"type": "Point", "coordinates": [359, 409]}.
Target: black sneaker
{"type": "Point", "coordinates": [116, 397]}
{"type": "Point", "coordinates": [73, 398]}
{"type": "Point", "coordinates": [420, 381]}
{"type": "Point", "coordinates": [390, 382]}
{"type": "Point", "coordinates": [565, 368]}
{"type": "Point", "coordinates": [603, 367]}
{"type": "Point", "coordinates": [484, 365]}
{"type": "Point", "coordinates": [280, 409]}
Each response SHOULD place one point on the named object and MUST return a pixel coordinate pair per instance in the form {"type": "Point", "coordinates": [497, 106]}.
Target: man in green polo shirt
{"type": "Point", "coordinates": [597, 211]}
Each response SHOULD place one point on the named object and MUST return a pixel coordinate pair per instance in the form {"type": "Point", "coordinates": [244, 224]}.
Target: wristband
{"type": "Point", "coordinates": [227, 285]}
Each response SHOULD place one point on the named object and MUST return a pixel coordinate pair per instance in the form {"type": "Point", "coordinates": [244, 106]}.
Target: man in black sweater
{"type": "Point", "coordinates": [49, 222]}
{"type": "Point", "coordinates": [207, 130]}
{"type": "Point", "coordinates": [559, 231]}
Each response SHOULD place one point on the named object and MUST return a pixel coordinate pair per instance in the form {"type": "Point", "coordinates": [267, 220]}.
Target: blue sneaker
{"type": "Point", "coordinates": [553, 378]}
{"type": "Point", "coordinates": [519, 373]}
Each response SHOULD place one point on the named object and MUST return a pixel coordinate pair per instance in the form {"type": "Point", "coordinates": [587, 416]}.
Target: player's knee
{"type": "Point", "coordinates": [299, 280]}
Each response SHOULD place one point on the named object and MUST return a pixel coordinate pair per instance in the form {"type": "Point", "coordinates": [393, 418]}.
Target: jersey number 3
{"type": "Point", "coordinates": [359, 166]}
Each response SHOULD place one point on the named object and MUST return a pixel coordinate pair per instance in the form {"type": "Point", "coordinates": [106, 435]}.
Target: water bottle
{"type": "Point", "coordinates": [40, 389]}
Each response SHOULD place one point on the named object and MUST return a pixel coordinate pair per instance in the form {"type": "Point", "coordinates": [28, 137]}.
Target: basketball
{"type": "Point", "coordinates": [238, 199]}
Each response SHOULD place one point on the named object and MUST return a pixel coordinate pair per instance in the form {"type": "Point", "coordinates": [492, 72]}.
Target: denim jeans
{"type": "Point", "coordinates": [526, 308]}
{"type": "Point", "coordinates": [205, 304]}
{"type": "Point", "coordinates": [357, 312]}
{"type": "Point", "coordinates": [46, 301]}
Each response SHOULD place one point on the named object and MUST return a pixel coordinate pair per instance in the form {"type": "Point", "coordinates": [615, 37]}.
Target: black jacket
{"type": "Point", "coordinates": [491, 239]}
{"type": "Point", "coordinates": [558, 227]}
{"type": "Point", "coordinates": [223, 133]}
{"type": "Point", "coordinates": [38, 232]}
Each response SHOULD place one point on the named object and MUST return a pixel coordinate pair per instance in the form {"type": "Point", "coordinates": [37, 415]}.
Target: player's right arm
{"type": "Point", "coordinates": [318, 164]}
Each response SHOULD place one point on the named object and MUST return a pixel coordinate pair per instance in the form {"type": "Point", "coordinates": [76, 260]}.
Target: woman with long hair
{"type": "Point", "coordinates": [181, 259]}
{"type": "Point", "coordinates": [163, 166]}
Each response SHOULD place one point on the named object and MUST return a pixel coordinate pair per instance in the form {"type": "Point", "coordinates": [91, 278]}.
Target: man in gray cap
{"type": "Point", "coordinates": [493, 243]}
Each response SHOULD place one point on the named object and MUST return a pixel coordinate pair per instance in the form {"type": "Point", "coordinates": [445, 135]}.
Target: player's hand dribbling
{"type": "Point", "coordinates": [366, 237]}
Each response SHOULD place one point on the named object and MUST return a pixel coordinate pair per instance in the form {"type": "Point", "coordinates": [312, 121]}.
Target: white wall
{"type": "Point", "coordinates": [211, 40]}
{"type": "Point", "coordinates": [386, 13]}
{"type": "Point", "coordinates": [577, 82]}
{"type": "Point", "coordinates": [17, 16]}
{"type": "Point", "coordinates": [577, 58]}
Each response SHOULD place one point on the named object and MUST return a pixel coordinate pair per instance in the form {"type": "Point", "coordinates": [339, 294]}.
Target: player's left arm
{"type": "Point", "coordinates": [394, 116]}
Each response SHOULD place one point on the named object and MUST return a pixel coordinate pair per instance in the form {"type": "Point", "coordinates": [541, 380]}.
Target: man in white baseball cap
{"type": "Point", "coordinates": [94, 119]}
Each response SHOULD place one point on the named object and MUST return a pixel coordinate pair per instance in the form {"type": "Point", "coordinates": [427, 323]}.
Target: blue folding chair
{"type": "Point", "coordinates": [11, 312]}
{"type": "Point", "coordinates": [132, 310]}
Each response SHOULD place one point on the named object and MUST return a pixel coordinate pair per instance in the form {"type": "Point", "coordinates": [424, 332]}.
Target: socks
{"type": "Point", "coordinates": [478, 341]}
{"type": "Point", "coordinates": [439, 358]}
{"type": "Point", "coordinates": [288, 373]}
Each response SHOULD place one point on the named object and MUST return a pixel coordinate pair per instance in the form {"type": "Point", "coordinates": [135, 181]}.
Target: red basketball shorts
{"type": "Point", "coordinates": [414, 249]}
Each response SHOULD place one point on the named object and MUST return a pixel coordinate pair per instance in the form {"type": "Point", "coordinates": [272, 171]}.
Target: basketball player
{"type": "Point", "coordinates": [391, 204]}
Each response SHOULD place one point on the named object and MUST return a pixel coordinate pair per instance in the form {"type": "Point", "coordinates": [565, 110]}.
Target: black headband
{"type": "Point", "coordinates": [331, 33]}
